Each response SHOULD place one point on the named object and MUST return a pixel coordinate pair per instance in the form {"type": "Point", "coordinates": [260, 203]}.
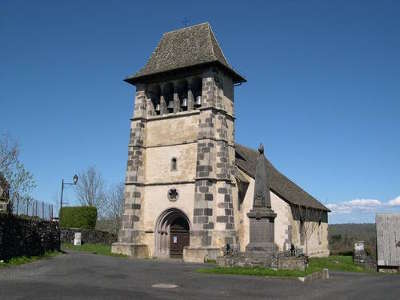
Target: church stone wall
{"type": "Point", "coordinates": [158, 163]}
{"type": "Point", "coordinates": [317, 238]}
{"type": "Point", "coordinates": [177, 129]}
{"type": "Point", "coordinates": [157, 202]}
{"type": "Point", "coordinates": [243, 220]}
{"type": "Point", "coordinates": [282, 222]}
{"type": "Point", "coordinates": [132, 226]}
{"type": "Point", "coordinates": [227, 94]}
{"type": "Point", "coordinates": [214, 223]}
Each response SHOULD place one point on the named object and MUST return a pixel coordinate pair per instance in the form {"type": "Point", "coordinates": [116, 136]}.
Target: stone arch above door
{"type": "Point", "coordinates": [175, 220]}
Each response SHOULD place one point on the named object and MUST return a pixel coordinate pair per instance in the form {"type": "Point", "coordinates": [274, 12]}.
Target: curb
{"type": "Point", "coordinates": [323, 275]}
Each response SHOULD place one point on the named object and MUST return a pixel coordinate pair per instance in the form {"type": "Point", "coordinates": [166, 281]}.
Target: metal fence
{"type": "Point", "coordinates": [33, 208]}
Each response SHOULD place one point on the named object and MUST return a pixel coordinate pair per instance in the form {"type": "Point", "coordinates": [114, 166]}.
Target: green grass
{"type": "Point", "coordinates": [100, 249]}
{"type": "Point", "coordinates": [336, 263]}
{"type": "Point", "coordinates": [211, 261]}
{"type": "Point", "coordinates": [257, 271]}
{"type": "Point", "coordinates": [16, 261]}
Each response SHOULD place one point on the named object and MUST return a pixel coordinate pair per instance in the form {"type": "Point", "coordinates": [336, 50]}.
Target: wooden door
{"type": "Point", "coordinates": [179, 238]}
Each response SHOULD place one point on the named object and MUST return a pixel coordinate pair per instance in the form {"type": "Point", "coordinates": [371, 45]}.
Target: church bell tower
{"type": "Point", "coordinates": [179, 179]}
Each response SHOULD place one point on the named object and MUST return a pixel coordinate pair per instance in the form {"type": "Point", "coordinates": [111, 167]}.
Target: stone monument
{"type": "Point", "coordinates": [262, 250]}
{"type": "Point", "coordinates": [262, 242]}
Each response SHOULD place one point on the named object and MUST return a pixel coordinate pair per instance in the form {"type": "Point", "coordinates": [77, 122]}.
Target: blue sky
{"type": "Point", "coordinates": [323, 91]}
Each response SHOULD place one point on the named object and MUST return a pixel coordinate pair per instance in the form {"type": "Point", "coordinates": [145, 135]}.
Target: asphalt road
{"type": "Point", "coordinates": [87, 276]}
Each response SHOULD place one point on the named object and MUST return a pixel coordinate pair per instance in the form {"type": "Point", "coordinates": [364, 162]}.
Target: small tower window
{"type": "Point", "coordinates": [174, 166]}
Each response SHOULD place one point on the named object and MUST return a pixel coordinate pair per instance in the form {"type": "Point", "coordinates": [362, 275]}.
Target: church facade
{"type": "Point", "coordinates": [189, 186]}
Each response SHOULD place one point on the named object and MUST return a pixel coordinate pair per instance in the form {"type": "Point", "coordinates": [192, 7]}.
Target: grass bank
{"type": "Point", "coordinates": [16, 261]}
{"type": "Point", "coordinates": [335, 263]}
{"type": "Point", "coordinates": [100, 249]}
{"type": "Point", "coordinates": [257, 271]}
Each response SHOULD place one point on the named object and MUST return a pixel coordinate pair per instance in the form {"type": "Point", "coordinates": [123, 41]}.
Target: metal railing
{"type": "Point", "coordinates": [292, 252]}
{"type": "Point", "coordinates": [33, 208]}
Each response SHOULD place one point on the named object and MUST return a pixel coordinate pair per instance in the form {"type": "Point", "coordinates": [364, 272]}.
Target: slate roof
{"type": "Point", "coordinates": [184, 48]}
{"type": "Point", "coordinates": [246, 160]}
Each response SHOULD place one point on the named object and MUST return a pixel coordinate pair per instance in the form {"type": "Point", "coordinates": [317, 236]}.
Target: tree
{"type": "Point", "coordinates": [115, 205]}
{"type": "Point", "coordinates": [20, 181]}
{"type": "Point", "coordinates": [90, 189]}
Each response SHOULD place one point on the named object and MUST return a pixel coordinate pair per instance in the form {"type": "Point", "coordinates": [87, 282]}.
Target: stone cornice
{"type": "Point", "coordinates": [183, 114]}
{"type": "Point", "coordinates": [182, 143]}
{"type": "Point", "coordinates": [214, 179]}
{"type": "Point", "coordinates": [218, 110]}
{"type": "Point", "coordinates": [160, 183]}
{"type": "Point", "coordinates": [167, 116]}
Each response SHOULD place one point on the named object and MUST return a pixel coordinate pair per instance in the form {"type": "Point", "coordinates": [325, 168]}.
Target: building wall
{"type": "Point", "coordinates": [202, 142]}
{"type": "Point", "coordinates": [156, 202]}
{"type": "Point", "coordinates": [243, 221]}
{"type": "Point", "coordinates": [174, 129]}
{"type": "Point", "coordinates": [158, 164]}
{"type": "Point", "coordinates": [317, 238]}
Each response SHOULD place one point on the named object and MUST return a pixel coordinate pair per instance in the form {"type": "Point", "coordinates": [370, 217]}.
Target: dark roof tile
{"type": "Point", "coordinates": [183, 48]}
{"type": "Point", "coordinates": [246, 160]}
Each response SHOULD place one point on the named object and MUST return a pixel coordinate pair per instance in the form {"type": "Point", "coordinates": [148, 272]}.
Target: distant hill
{"type": "Point", "coordinates": [343, 236]}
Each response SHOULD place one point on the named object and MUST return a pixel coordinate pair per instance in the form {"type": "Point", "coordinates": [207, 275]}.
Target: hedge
{"type": "Point", "coordinates": [83, 217]}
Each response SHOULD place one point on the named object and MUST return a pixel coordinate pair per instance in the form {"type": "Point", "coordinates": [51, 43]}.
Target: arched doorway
{"type": "Point", "coordinates": [172, 234]}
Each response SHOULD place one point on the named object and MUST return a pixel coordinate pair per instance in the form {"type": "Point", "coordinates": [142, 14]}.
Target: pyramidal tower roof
{"type": "Point", "coordinates": [185, 48]}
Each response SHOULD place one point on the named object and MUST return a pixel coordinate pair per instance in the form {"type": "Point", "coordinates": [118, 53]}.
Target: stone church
{"type": "Point", "coordinates": [189, 185]}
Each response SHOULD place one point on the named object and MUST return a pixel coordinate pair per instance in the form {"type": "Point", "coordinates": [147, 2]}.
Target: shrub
{"type": "Point", "coordinates": [83, 217]}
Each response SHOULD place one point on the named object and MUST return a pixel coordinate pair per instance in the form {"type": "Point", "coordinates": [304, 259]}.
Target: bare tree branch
{"type": "Point", "coordinates": [20, 180]}
{"type": "Point", "coordinates": [115, 205]}
{"type": "Point", "coordinates": [90, 189]}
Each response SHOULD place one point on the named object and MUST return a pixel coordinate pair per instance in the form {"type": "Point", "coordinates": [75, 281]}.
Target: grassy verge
{"type": "Point", "coordinates": [16, 261]}
{"type": "Point", "coordinates": [92, 248]}
{"type": "Point", "coordinates": [336, 263]}
{"type": "Point", "coordinates": [252, 271]}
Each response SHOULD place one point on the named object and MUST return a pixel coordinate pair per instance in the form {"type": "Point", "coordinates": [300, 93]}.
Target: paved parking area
{"type": "Point", "coordinates": [87, 276]}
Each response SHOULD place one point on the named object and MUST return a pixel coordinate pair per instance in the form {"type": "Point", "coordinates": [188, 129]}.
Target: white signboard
{"type": "Point", "coordinates": [77, 239]}
{"type": "Point", "coordinates": [359, 246]}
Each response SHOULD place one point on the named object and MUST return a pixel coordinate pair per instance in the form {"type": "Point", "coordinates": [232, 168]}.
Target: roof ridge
{"type": "Point", "coordinates": [187, 27]}
{"type": "Point", "coordinates": [211, 42]}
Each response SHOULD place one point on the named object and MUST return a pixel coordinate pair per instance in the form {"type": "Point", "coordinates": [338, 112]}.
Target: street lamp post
{"type": "Point", "coordinates": [74, 181]}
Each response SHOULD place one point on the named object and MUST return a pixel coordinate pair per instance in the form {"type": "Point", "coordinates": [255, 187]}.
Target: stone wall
{"type": "Point", "coordinates": [27, 237]}
{"type": "Point", "coordinates": [88, 236]}
{"type": "Point", "coordinates": [244, 259]}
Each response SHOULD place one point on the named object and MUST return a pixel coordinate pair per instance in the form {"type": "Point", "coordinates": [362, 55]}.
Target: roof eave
{"type": "Point", "coordinates": [237, 78]}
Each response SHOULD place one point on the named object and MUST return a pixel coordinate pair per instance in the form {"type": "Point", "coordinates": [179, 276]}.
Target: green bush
{"type": "Point", "coordinates": [83, 217]}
